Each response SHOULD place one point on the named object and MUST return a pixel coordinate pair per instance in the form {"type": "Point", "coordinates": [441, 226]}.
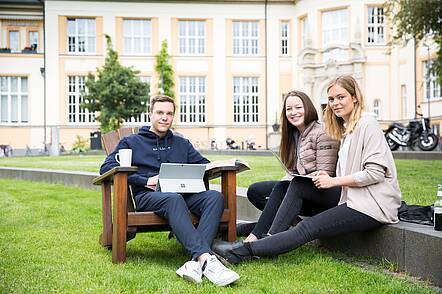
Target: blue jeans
{"type": "Point", "coordinates": [174, 207]}
{"type": "Point", "coordinates": [329, 223]}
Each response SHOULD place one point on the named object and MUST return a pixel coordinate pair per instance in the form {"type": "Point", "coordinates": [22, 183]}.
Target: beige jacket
{"type": "Point", "coordinates": [371, 163]}
{"type": "Point", "coordinates": [317, 151]}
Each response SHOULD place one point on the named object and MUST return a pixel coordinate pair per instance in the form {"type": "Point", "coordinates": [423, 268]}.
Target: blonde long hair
{"type": "Point", "coordinates": [334, 126]}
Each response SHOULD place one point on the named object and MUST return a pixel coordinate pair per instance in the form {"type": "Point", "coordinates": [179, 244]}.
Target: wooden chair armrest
{"type": "Point", "coordinates": [109, 175]}
{"type": "Point", "coordinates": [219, 171]}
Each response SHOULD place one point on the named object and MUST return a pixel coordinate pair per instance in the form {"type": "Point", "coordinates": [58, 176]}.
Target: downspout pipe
{"type": "Point", "coordinates": [266, 75]}
{"type": "Point", "coordinates": [44, 76]}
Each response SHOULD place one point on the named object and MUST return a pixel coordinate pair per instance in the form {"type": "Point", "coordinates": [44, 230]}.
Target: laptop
{"type": "Point", "coordinates": [181, 178]}
{"type": "Point", "coordinates": [288, 171]}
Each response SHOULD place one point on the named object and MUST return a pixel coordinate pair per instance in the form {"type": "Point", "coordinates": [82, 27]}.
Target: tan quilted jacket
{"type": "Point", "coordinates": [317, 151]}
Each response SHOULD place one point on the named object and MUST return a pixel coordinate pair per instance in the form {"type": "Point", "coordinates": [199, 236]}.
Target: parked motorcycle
{"type": "Point", "coordinates": [231, 144]}
{"type": "Point", "coordinates": [418, 132]}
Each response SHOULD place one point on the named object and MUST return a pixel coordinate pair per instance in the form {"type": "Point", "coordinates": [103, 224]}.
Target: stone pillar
{"type": "Point", "coordinates": [54, 150]}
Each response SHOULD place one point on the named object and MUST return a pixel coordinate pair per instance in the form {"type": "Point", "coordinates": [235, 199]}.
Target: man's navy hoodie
{"type": "Point", "coordinates": [149, 151]}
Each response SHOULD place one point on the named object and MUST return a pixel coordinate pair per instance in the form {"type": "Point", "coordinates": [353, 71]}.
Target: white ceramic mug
{"type": "Point", "coordinates": [124, 157]}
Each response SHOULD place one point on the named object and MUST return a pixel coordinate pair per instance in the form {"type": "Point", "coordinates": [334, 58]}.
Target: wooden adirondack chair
{"type": "Point", "coordinates": [121, 222]}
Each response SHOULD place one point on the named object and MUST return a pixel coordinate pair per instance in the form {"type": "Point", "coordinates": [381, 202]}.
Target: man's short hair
{"type": "Point", "coordinates": [162, 98]}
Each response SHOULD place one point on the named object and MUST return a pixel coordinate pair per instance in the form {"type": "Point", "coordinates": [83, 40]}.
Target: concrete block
{"type": "Point", "coordinates": [423, 252]}
{"type": "Point", "coordinates": [384, 242]}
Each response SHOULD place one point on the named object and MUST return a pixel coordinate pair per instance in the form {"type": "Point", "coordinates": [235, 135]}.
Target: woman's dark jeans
{"type": "Point", "coordinates": [329, 223]}
{"type": "Point", "coordinates": [289, 199]}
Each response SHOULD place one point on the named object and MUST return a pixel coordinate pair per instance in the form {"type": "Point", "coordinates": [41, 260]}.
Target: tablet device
{"type": "Point", "coordinates": [296, 175]}
{"type": "Point", "coordinates": [182, 178]}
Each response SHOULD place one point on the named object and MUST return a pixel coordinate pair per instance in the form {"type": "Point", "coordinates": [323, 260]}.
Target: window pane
{"type": "Point", "coordinates": [3, 84]}
{"type": "Point", "coordinates": [24, 108]}
{"type": "Point", "coordinates": [14, 84]}
{"type": "Point", "coordinates": [4, 108]}
{"type": "Point", "coordinates": [14, 41]}
{"type": "Point", "coordinates": [191, 37]}
{"type": "Point", "coordinates": [33, 39]}
{"type": "Point", "coordinates": [14, 108]}
{"type": "Point", "coordinates": [24, 84]}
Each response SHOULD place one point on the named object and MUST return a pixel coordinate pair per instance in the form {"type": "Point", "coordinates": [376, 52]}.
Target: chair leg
{"type": "Point", "coordinates": [228, 188]}
{"type": "Point", "coordinates": [106, 235]}
{"type": "Point", "coordinates": [120, 219]}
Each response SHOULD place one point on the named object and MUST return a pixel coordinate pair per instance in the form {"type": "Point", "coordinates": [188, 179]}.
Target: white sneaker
{"type": "Point", "coordinates": [217, 273]}
{"type": "Point", "coordinates": [190, 271]}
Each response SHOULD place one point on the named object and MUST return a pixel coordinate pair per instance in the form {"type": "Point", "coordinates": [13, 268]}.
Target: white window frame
{"type": "Point", "coordinates": [33, 38]}
{"type": "Point", "coordinates": [376, 26]}
{"type": "Point", "coordinates": [335, 27]}
{"type": "Point", "coordinates": [192, 37]}
{"type": "Point", "coordinates": [377, 108]}
{"type": "Point", "coordinates": [14, 43]}
{"type": "Point", "coordinates": [137, 36]}
{"type": "Point", "coordinates": [192, 93]}
{"type": "Point", "coordinates": [245, 37]}
{"type": "Point", "coordinates": [245, 100]}
{"type": "Point", "coordinates": [81, 29]}
{"type": "Point", "coordinates": [143, 117]}
{"type": "Point", "coordinates": [285, 37]}
{"type": "Point", "coordinates": [304, 31]}
{"type": "Point", "coordinates": [432, 87]}
{"type": "Point", "coordinates": [77, 115]}
{"type": "Point", "coordinates": [8, 94]}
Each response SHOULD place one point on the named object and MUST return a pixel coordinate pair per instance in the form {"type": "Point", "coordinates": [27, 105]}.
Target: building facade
{"type": "Point", "coordinates": [233, 62]}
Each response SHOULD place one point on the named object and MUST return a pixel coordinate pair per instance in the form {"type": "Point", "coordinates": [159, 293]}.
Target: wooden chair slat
{"type": "Point", "coordinates": [110, 141]}
{"type": "Point", "coordinates": [125, 132]}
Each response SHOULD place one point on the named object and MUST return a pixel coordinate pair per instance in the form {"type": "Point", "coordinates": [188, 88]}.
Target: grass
{"type": "Point", "coordinates": [48, 243]}
{"type": "Point", "coordinates": [418, 178]}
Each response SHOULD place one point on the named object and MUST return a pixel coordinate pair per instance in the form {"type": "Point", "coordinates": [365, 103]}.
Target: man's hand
{"type": "Point", "coordinates": [152, 182]}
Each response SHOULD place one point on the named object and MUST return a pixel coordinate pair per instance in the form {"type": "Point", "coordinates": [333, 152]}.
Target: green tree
{"type": "Point", "coordinates": [165, 72]}
{"type": "Point", "coordinates": [115, 93]}
{"type": "Point", "coordinates": [418, 19]}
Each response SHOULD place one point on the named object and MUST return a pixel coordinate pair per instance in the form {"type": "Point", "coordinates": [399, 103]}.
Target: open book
{"type": "Point", "coordinates": [214, 168]}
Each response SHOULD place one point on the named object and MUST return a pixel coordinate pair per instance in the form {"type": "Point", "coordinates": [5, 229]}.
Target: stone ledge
{"type": "Point", "coordinates": [416, 249]}
{"type": "Point", "coordinates": [245, 211]}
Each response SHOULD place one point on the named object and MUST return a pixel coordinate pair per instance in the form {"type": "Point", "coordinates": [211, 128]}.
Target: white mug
{"type": "Point", "coordinates": [124, 157]}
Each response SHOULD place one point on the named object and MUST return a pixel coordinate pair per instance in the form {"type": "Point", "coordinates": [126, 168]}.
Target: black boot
{"type": "Point", "coordinates": [234, 253]}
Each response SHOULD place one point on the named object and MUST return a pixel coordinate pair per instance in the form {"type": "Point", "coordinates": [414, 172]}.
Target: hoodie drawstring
{"type": "Point", "coordinates": [158, 150]}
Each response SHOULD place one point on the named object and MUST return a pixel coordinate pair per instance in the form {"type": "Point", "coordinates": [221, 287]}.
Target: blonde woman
{"type": "Point", "coordinates": [365, 172]}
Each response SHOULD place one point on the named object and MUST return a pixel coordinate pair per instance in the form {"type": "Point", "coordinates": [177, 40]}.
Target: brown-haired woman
{"type": "Point", "coordinates": [366, 172]}
{"type": "Point", "coordinates": [305, 148]}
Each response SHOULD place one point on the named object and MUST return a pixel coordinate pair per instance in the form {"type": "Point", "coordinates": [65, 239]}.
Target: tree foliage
{"type": "Point", "coordinates": [165, 72]}
{"type": "Point", "coordinates": [418, 19]}
{"type": "Point", "coordinates": [115, 93]}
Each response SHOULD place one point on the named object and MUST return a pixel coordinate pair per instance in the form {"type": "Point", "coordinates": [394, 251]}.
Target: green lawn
{"type": "Point", "coordinates": [418, 178]}
{"type": "Point", "coordinates": [49, 243]}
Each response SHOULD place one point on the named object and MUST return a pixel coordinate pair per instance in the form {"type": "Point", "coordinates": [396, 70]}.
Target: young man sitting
{"type": "Point", "coordinates": [151, 147]}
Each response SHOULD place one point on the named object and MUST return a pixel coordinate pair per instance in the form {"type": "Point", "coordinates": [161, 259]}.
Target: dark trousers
{"type": "Point", "coordinates": [329, 223]}
{"type": "Point", "coordinates": [259, 192]}
{"type": "Point", "coordinates": [174, 207]}
{"type": "Point", "coordinates": [289, 199]}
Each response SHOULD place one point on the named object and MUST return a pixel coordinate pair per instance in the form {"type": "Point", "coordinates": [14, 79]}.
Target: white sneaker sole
{"type": "Point", "coordinates": [192, 279]}
{"type": "Point", "coordinates": [228, 281]}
